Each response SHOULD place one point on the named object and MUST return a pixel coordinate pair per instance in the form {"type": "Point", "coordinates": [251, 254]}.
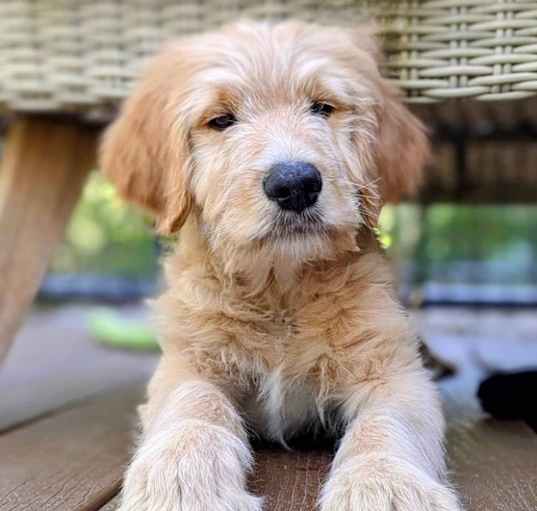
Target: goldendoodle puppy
{"type": "Point", "coordinates": [272, 148]}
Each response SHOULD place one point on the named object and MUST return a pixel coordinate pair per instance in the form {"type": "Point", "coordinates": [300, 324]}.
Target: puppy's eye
{"type": "Point", "coordinates": [222, 122]}
{"type": "Point", "coordinates": [323, 109]}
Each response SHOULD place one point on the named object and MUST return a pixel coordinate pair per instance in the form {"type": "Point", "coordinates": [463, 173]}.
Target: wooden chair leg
{"type": "Point", "coordinates": [43, 168]}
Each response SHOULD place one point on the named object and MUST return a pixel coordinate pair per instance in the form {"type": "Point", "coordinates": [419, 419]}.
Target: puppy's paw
{"type": "Point", "coordinates": [385, 485]}
{"type": "Point", "coordinates": [197, 467]}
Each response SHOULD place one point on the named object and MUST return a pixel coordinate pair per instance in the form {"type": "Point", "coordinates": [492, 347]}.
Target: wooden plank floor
{"type": "Point", "coordinates": [494, 464]}
{"type": "Point", "coordinates": [55, 362]}
{"type": "Point", "coordinates": [72, 458]}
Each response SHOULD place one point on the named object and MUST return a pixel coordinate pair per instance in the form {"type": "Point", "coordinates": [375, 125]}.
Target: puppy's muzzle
{"type": "Point", "coordinates": [293, 185]}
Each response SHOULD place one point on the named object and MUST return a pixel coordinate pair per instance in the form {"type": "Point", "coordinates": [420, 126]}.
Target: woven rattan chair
{"type": "Point", "coordinates": [65, 65]}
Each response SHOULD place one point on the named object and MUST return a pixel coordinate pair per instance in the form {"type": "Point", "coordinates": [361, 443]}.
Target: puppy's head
{"type": "Point", "coordinates": [272, 135]}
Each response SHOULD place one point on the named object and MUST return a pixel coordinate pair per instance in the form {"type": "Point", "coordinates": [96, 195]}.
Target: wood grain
{"type": "Point", "coordinates": [290, 480]}
{"type": "Point", "coordinates": [44, 165]}
{"type": "Point", "coordinates": [72, 461]}
{"type": "Point", "coordinates": [494, 464]}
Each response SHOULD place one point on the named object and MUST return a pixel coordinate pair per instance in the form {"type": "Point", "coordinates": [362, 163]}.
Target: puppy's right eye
{"type": "Point", "coordinates": [322, 109]}
{"type": "Point", "coordinates": [222, 122]}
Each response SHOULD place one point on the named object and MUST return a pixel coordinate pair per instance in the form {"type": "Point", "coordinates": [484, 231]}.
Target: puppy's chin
{"type": "Point", "coordinates": [306, 237]}
{"type": "Point", "coordinates": [297, 227]}
{"type": "Point", "coordinates": [282, 237]}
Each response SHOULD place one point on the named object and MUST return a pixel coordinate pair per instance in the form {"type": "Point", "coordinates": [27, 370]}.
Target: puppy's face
{"type": "Point", "coordinates": [274, 135]}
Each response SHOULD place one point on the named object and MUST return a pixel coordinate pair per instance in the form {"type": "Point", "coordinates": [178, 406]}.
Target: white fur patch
{"type": "Point", "coordinates": [284, 409]}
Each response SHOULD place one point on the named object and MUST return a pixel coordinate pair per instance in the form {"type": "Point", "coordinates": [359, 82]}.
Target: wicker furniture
{"type": "Point", "coordinates": [80, 57]}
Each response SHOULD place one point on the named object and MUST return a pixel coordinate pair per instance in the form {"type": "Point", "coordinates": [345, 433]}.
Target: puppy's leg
{"type": "Point", "coordinates": [194, 453]}
{"type": "Point", "coordinates": [391, 456]}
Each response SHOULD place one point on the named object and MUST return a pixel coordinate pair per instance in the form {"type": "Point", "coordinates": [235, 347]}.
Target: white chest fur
{"type": "Point", "coordinates": [281, 408]}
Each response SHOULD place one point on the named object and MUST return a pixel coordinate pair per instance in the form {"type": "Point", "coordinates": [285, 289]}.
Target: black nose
{"type": "Point", "coordinates": [294, 185]}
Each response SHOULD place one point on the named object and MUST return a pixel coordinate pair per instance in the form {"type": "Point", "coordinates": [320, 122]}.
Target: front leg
{"type": "Point", "coordinates": [194, 453]}
{"type": "Point", "coordinates": [391, 457]}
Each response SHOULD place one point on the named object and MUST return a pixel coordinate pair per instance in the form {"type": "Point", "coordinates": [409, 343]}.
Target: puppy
{"type": "Point", "coordinates": [272, 148]}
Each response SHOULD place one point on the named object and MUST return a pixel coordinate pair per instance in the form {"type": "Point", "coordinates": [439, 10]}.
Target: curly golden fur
{"type": "Point", "coordinates": [275, 321]}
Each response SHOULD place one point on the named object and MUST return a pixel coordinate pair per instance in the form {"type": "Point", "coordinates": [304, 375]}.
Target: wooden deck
{"type": "Point", "coordinates": [67, 417]}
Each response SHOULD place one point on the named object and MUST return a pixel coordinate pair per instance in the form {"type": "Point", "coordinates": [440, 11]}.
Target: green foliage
{"type": "Point", "coordinates": [452, 243]}
{"type": "Point", "coordinates": [106, 236]}
{"type": "Point", "coordinates": [479, 232]}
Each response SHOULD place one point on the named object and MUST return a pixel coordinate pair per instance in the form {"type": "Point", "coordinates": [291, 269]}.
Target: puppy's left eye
{"type": "Point", "coordinates": [320, 108]}
{"type": "Point", "coordinates": [222, 122]}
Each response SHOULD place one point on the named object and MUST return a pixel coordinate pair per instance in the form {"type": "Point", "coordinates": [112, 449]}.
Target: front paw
{"type": "Point", "coordinates": [197, 467]}
{"type": "Point", "coordinates": [385, 485]}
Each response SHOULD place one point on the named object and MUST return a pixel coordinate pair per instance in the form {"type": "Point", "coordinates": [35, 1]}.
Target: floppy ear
{"type": "Point", "coordinates": [145, 151]}
{"type": "Point", "coordinates": [402, 147]}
